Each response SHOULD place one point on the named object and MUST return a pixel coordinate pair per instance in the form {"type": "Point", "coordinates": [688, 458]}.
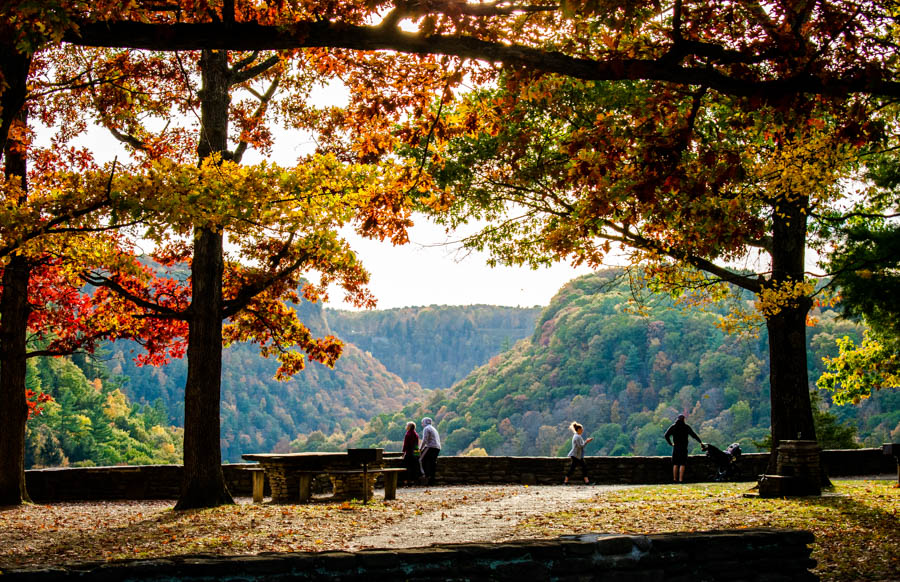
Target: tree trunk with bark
{"type": "Point", "coordinates": [13, 408]}
{"type": "Point", "coordinates": [14, 309]}
{"type": "Point", "coordinates": [14, 67]}
{"type": "Point", "coordinates": [788, 377]}
{"type": "Point", "coordinates": [791, 408]}
{"type": "Point", "coordinates": [203, 482]}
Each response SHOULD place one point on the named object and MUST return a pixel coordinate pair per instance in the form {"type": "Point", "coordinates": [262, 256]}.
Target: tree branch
{"type": "Point", "coordinates": [161, 311]}
{"type": "Point", "coordinates": [239, 76]}
{"type": "Point", "coordinates": [264, 100]}
{"type": "Point", "coordinates": [245, 61]}
{"type": "Point", "coordinates": [49, 227]}
{"type": "Point", "coordinates": [252, 36]}
{"type": "Point", "coordinates": [844, 217]}
{"type": "Point", "coordinates": [247, 293]}
{"type": "Point", "coordinates": [639, 242]}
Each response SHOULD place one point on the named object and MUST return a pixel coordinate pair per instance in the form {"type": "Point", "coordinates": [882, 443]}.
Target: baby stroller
{"type": "Point", "coordinates": [727, 462]}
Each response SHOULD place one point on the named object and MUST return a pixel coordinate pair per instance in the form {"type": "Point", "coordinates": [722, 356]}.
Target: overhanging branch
{"type": "Point", "coordinates": [252, 36]}
{"type": "Point", "coordinates": [160, 311]}
{"type": "Point", "coordinates": [248, 292]}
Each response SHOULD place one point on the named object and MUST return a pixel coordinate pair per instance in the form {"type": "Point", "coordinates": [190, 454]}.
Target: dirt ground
{"type": "Point", "coordinates": [74, 532]}
{"type": "Point", "coordinates": [482, 514]}
{"type": "Point", "coordinates": [855, 526]}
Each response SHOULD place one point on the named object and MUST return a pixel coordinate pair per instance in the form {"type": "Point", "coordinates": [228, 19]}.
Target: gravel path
{"type": "Point", "coordinates": [482, 514]}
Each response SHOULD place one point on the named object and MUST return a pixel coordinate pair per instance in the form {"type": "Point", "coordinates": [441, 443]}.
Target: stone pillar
{"type": "Point", "coordinates": [798, 471]}
{"type": "Point", "coordinates": [278, 483]}
{"type": "Point", "coordinates": [351, 486]}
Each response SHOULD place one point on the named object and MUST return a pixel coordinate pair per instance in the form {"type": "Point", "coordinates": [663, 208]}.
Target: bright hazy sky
{"type": "Point", "coordinates": [419, 274]}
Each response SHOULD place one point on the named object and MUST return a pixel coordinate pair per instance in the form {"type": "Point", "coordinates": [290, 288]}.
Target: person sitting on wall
{"type": "Point", "coordinates": [679, 433]}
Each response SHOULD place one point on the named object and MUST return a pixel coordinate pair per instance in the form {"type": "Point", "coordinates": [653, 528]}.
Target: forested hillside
{"type": "Point", "coordinates": [434, 346]}
{"type": "Point", "coordinates": [586, 358]}
{"type": "Point", "coordinates": [89, 421]}
{"type": "Point", "coordinates": [260, 414]}
{"type": "Point", "coordinates": [625, 377]}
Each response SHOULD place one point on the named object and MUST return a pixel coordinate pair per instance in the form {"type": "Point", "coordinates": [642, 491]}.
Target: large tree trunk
{"type": "Point", "coordinates": [13, 409]}
{"type": "Point", "coordinates": [788, 377]}
{"type": "Point", "coordinates": [13, 337]}
{"type": "Point", "coordinates": [14, 67]}
{"type": "Point", "coordinates": [203, 483]}
{"type": "Point", "coordinates": [791, 409]}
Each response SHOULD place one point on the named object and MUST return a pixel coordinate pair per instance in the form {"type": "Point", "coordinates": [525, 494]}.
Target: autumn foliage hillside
{"type": "Point", "coordinates": [89, 421]}
{"type": "Point", "coordinates": [586, 356]}
{"type": "Point", "coordinates": [389, 357]}
{"type": "Point", "coordinates": [397, 350]}
{"type": "Point", "coordinates": [625, 376]}
{"type": "Point", "coordinates": [261, 414]}
{"type": "Point", "coordinates": [438, 345]}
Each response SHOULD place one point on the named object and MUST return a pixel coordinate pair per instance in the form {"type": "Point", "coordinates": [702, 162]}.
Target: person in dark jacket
{"type": "Point", "coordinates": [679, 433]}
{"type": "Point", "coordinates": [411, 454]}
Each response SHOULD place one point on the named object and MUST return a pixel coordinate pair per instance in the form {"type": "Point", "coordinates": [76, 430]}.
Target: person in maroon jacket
{"type": "Point", "coordinates": [411, 454]}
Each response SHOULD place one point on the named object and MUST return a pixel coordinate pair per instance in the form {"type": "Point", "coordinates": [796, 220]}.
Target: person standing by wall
{"type": "Point", "coordinates": [411, 454]}
{"type": "Point", "coordinates": [576, 455]}
{"type": "Point", "coordinates": [679, 433]}
{"type": "Point", "coordinates": [429, 450]}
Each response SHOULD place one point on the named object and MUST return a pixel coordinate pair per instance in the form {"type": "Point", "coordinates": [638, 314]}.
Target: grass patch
{"type": "Point", "coordinates": [857, 528]}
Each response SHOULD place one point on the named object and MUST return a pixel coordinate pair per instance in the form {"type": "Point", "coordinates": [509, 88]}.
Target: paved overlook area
{"type": "Point", "coordinates": [486, 514]}
{"type": "Point", "coordinates": [853, 529]}
{"type": "Point", "coordinates": [78, 531]}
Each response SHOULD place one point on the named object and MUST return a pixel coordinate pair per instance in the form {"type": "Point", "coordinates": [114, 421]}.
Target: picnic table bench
{"type": "Point", "coordinates": [391, 475]}
{"type": "Point", "coordinates": [349, 473]}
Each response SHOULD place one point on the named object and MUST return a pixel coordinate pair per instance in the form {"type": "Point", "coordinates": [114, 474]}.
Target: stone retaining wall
{"type": "Point", "coordinates": [640, 470]}
{"type": "Point", "coordinates": [605, 470]}
{"type": "Point", "coordinates": [123, 482]}
{"type": "Point", "coordinates": [164, 481]}
{"type": "Point", "coordinates": [736, 556]}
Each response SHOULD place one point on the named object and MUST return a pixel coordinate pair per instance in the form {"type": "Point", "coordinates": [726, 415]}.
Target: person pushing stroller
{"type": "Point", "coordinates": [679, 433]}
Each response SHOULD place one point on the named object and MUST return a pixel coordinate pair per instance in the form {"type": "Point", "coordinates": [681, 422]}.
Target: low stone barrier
{"type": "Point", "coordinates": [123, 482]}
{"type": "Point", "coordinates": [164, 481]}
{"type": "Point", "coordinates": [639, 470]}
{"type": "Point", "coordinates": [760, 555]}
{"type": "Point", "coordinates": [605, 470]}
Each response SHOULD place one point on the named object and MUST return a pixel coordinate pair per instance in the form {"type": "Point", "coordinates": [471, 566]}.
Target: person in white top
{"type": "Point", "coordinates": [429, 449]}
{"type": "Point", "coordinates": [576, 455]}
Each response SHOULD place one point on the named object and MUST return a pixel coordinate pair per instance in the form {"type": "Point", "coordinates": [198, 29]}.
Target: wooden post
{"type": "Point", "coordinates": [305, 480]}
{"type": "Point", "coordinates": [259, 483]}
{"type": "Point", "coordinates": [365, 483]}
{"type": "Point", "coordinates": [390, 485]}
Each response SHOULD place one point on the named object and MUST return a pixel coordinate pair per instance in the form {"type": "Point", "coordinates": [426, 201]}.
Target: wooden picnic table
{"type": "Point", "coordinates": [290, 475]}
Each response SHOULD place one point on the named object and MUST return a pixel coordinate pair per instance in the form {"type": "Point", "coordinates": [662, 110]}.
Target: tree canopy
{"type": "Point", "coordinates": [693, 185]}
{"type": "Point", "coordinates": [865, 263]}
